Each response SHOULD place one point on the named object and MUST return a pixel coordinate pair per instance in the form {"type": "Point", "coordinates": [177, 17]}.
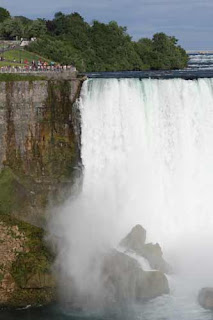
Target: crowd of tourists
{"type": "Point", "coordinates": [36, 66]}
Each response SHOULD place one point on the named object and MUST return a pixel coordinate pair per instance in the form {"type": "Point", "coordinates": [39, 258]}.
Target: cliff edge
{"type": "Point", "coordinates": [39, 156]}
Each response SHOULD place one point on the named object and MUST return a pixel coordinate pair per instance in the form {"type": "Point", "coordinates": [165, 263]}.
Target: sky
{"type": "Point", "coordinates": [190, 21]}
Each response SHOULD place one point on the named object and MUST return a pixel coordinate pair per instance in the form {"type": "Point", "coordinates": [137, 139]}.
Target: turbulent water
{"type": "Point", "coordinates": [201, 61]}
{"type": "Point", "coordinates": [147, 152]}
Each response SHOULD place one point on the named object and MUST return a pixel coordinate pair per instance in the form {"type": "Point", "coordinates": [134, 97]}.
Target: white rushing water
{"type": "Point", "coordinates": [147, 152]}
{"type": "Point", "coordinates": [201, 61]}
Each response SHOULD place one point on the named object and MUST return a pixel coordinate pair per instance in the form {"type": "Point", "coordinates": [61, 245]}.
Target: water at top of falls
{"type": "Point", "coordinates": [147, 154]}
{"type": "Point", "coordinates": [199, 66]}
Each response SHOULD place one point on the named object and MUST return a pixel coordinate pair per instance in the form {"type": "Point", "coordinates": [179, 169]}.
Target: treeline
{"type": "Point", "coordinates": [68, 39]}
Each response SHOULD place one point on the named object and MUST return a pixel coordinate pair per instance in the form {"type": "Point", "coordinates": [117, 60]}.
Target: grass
{"type": "Point", "coordinates": [6, 63]}
{"type": "Point", "coordinates": [5, 77]}
{"type": "Point", "coordinates": [24, 55]}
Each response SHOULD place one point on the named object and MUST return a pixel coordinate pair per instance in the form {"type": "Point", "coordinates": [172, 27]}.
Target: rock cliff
{"type": "Point", "coordinates": [39, 155]}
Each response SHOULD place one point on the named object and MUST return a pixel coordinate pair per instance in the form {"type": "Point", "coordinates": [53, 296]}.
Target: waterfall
{"type": "Point", "coordinates": [147, 146]}
{"type": "Point", "coordinates": [147, 153]}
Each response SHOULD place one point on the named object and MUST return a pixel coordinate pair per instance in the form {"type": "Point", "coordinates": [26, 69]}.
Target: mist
{"type": "Point", "coordinates": [147, 157]}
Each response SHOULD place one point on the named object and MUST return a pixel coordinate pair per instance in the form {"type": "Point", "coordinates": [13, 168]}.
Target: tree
{"type": "Point", "coordinates": [23, 20]}
{"type": "Point", "coordinates": [37, 28]}
{"type": "Point", "coordinates": [59, 23]}
{"type": "Point", "coordinates": [103, 47]}
{"type": "Point", "coordinates": [4, 14]}
{"type": "Point", "coordinates": [11, 28]}
{"type": "Point", "coordinates": [144, 48]}
{"type": "Point", "coordinates": [167, 54]}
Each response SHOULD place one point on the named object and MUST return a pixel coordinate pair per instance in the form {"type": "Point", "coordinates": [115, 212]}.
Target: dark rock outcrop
{"type": "Point", "coordinates": [125, 280]}
{"type": "Point", "coordinates": [135, 241]}
{"type": "Point", "coordinates": [205, 298]}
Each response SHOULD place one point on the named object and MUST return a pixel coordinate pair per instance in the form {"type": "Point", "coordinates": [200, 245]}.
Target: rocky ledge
{"type": "Point", "coordinates": [124, 276]}
{"type": "Point", "coordinates": [125, 280]}
{"type": "Point", "coordinates": [135, 242]}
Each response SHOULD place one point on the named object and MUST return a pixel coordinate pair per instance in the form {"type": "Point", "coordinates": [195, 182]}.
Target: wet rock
{"type": "Point", "coordinates": [135, 241]}
{"type": "Point", "coordinates": [125, 280]}
{"type": "Point", "coordinates": [153, 253]}
{"type": "Point", "coordinates": [205, 298]}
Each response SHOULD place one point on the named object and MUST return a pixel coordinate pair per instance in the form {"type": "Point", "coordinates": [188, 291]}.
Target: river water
{"type": "Point", "coordinates": [201, 61]}
{"type": "Point", "coordinates": [147, 155]}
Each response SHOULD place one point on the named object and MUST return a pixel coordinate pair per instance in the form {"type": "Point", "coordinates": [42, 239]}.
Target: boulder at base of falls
{"type": "Point", "coordinates": [153, 253]}
{"type": "Point", "coordinates": [205, 298]}
{"type": "Point", "coordinates": [135, 241]}
{"type": "Point", "coordinates": [125, 280]}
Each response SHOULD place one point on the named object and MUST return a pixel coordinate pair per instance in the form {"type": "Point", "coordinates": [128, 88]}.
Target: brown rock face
{"type": "Point", "coordinates": [39, 142]}
{"type": "Point", "coordinates": [39, 155]}
{"type": "Point", "coordinates": [205, 298]}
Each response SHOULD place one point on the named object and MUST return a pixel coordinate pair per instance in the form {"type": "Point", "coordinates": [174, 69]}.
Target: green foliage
{"type": "Point", "coordinates": [161, 52]}
{"type": "Point", "coordinates": [68, 39]}
{"type": "Point", "coordinates": [8, 77]}
{"type": "Point", "coordinates": [58, 50]}
{"type": "Point", "coordinates": [113, 47]}
{"type": "Point", "coordinates": [106, 47]}
{"type": "Point", "coordinates": [4, 14]}
{"type": "Point", "coordinates": [23, 20]}
{"type": "Point", "coordinates": [22, 27]}
{"type": "Point", "coordinates": [11, 28]}
{"type": "Point", "coordinates": [37, 28]}
{"type": "Point", "coordinates": [36, 260]}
